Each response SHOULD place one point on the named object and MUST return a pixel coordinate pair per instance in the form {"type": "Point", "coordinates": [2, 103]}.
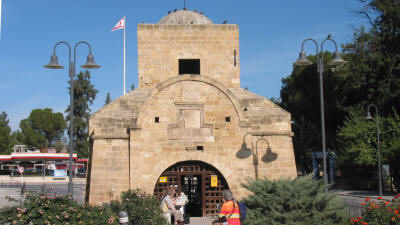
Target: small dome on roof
{"type": "Point", "coordinates": [185, 17]}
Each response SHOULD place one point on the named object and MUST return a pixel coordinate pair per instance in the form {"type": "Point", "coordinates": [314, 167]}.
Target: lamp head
{"type": "Point", "coordinates": [368, 117]}
{"type": "Point", "coordinates": [337, 60]}
{"type": "Point", "coordinates": [302, 60]}
{"type": "Point", "coordinates": [269, 155]}
{"type": "Point", "coordinates": [53, 64]}
{"type": "Point", "coordinates": [90, 64]}
{"type": "Point", "coordinates": [244, 152]}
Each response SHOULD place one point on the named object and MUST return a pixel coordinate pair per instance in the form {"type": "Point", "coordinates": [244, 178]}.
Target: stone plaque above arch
{"type": "Point", "coordinates": [190, 126]}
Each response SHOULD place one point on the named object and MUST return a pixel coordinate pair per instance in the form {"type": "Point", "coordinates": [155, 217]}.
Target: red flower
{"type": "Point", "coordinates": [393, 218]}
{"type": "Point", "coordinates": [359, 217]}
{"type": "Point", "coordinates": [386, 203]}
{"type": "Point", "coordinates": [396, 211]}
{"type": "Point", "coordinates": [362, 203]}
{"type": "Point", "coordinates": [367, 199]}
{"type": "Point", "coordinates": [380, 198]}
{"type": "Point", "coordinates": [364, 223]}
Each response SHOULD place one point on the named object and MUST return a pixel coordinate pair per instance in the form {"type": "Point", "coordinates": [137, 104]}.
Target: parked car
{"type": "Point", "coordinates": [5, 172]}
{"type": "Point", "coordinates": [81, 172]}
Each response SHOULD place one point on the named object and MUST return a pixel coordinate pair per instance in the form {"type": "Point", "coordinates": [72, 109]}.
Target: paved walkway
{"type": "Point", "coordinates": [7, 193]}
{"type": "Point", "coordinates": [6, 179]}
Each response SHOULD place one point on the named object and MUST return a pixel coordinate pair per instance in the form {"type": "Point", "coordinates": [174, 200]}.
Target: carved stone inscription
{"type": "Point", "coordinates": [190, 126]}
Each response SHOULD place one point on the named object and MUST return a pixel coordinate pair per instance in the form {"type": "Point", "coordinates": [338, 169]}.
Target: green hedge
{"type": "Point", "coordinates": [297, 201]}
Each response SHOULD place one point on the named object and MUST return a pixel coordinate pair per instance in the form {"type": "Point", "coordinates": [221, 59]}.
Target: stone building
{"type": "Point", "coordinates": [188, 124]}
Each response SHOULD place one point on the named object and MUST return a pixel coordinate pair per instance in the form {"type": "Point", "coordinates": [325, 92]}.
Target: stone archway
{"type": "Point", "coordinates": [194, 178]}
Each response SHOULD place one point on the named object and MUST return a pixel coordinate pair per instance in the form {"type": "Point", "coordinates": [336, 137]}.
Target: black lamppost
{"type": "Point", "coordinates": [369, 117]}
{"type": "Point", "coordinates": [90, 64]}
{"type": "Point", "coordinates": [303, 61]}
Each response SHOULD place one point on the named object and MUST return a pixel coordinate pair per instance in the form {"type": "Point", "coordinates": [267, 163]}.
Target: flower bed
{"type": "Point", "coordinates": [379, 212]}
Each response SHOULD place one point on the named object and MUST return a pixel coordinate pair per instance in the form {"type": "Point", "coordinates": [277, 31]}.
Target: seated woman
{"type": "Point", "coordinates": [167, 206]}
{"type": "Point", "coordinates": [229, 213]}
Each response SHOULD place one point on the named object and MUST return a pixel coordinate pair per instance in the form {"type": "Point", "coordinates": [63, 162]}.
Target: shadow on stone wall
{"type": "Point", "coordinates": [245, 152]}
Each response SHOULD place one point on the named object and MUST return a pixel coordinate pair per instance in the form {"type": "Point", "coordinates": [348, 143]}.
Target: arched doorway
{"type": "Point", "coordinates": [201, 182]}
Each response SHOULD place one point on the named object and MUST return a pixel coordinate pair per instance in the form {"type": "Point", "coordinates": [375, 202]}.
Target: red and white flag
{"type": "Point", "coordinates": [120, 24]}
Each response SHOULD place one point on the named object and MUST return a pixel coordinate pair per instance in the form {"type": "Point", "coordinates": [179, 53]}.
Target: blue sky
{"type": "Point", "coordinates": [271, 33]}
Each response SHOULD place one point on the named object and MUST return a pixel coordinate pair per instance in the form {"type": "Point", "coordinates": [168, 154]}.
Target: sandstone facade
{"type": "Point", "coordinates": [174, 117]}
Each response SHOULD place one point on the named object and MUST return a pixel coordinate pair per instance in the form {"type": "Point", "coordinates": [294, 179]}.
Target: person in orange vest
{"type": "Point", "coordinates": [229, 213]}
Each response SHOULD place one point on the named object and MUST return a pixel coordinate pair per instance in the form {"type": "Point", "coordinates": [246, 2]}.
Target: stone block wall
{"type": "Point", "coordinates": [152, 151]}
{"type": "Point", "coordinates": [131, 148]}
{"type": "Point", "coordinates": [161, 46]}
{"type": "Point", "coordinates": [109, 170]}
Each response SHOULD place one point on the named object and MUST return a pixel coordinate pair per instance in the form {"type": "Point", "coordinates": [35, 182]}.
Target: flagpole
{"type": "Point", "coordinates": [124, 55]}
{"type": "Point", "coordinates": [0, 19]}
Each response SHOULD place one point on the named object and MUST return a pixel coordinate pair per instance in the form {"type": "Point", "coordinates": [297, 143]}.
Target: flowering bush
{"type": "Point", "coordinates": [48, 208]}
{"type": "Point", "coordinates": [380, 212]}
{"type": "Point", "coordinates": [142, 208]}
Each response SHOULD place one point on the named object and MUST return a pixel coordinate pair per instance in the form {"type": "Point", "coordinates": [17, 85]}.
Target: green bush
{"type": "Point", "coordinates": [142, 208]}
{"type": "Point", "coordinates": [381, 212]}
{"type": "Point", "coordinates": [48, 208]}
{"type": "Point", "coordinates": [294, 202]}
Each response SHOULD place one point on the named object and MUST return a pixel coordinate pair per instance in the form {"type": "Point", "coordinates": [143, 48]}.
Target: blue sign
{"type": "Point", "coordinates": [60, 173]}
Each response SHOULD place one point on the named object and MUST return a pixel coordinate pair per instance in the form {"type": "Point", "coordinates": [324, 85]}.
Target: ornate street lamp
{"type": "Point", "coordinates": [303, 61]}
{"type": "Point", "coordinates": [90, 64]}
{"type": "Point", "coordinates": [369, 117]}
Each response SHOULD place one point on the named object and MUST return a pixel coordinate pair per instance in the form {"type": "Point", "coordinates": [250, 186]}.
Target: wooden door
{"type": "Point", "coordinates": [200, 174]}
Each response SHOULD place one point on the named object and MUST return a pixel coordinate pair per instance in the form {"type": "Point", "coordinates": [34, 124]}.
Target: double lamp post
{"type": "Point", "coordinates": [369, 117]}
{"type": "Point", "coordinates": [303, 61]}
{"type": "Point", "coordinates": [90, 64]}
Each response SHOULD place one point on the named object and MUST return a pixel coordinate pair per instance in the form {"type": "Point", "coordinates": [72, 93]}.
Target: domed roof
{"type": "Point", "coordinates": [185, 17]}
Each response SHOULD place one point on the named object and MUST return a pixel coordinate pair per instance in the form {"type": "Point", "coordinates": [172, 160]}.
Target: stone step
{"type": "Point", "coordinates": [199, 221]}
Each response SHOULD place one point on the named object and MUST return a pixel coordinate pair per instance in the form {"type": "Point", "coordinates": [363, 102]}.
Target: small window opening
{"type": "Point", "coordinates": [156, 119]}
{"type": "Point", "coordinates": [199, 148]}
{"type": "Point", "coordinates": [234, 57]}
{"type": "Point", "coordinates": [245, 109]}
{"type": "Point", "coordinates": [189, 66]}
{"type": "Point", "coordinates": [228, 119]}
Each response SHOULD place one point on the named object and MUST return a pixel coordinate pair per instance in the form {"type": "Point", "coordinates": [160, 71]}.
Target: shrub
{"type": "Point", "coordinates": [48, 208]}
{"type": "Point", "coordinates": [142, 208]}
{"type": "Point", "coordinates": [293, 201]}
{"type": "Point", "coordinates": [381, 212]}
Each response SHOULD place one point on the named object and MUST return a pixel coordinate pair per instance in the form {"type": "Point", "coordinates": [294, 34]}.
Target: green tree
{"type": "Point", "coordinates": [374, 57]}
{"type": "Point", "coordinates": [133, 86]}
{"type": "Point", "coordinates": [42, 128]}
{"type": "Point", "coordinates": [59, 145]}
{"type": "Point", "coordinates": [108, 99]}
{"type": "Point", "coordinates": [5, 137]}
{"type": "Point", "coordinates": [84, 95]}
{"type": "Point", "coordinates": [17, 138]}
{"type": "Point", "coordinates": [357, 145]}
{"type": "Point", "coordinates": [293, 201]}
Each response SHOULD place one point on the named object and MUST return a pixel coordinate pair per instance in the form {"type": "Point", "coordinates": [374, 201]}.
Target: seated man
{"type": "Point", "coordinates": [168, 207]}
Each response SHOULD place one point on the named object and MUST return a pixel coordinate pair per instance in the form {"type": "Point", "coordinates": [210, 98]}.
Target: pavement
{"type": "Point", "coordinates": [6, 179]}
{"type": "Point", "coordinates": [199, 221]}
{"type": "Point", "coordinates": [373, 195]}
